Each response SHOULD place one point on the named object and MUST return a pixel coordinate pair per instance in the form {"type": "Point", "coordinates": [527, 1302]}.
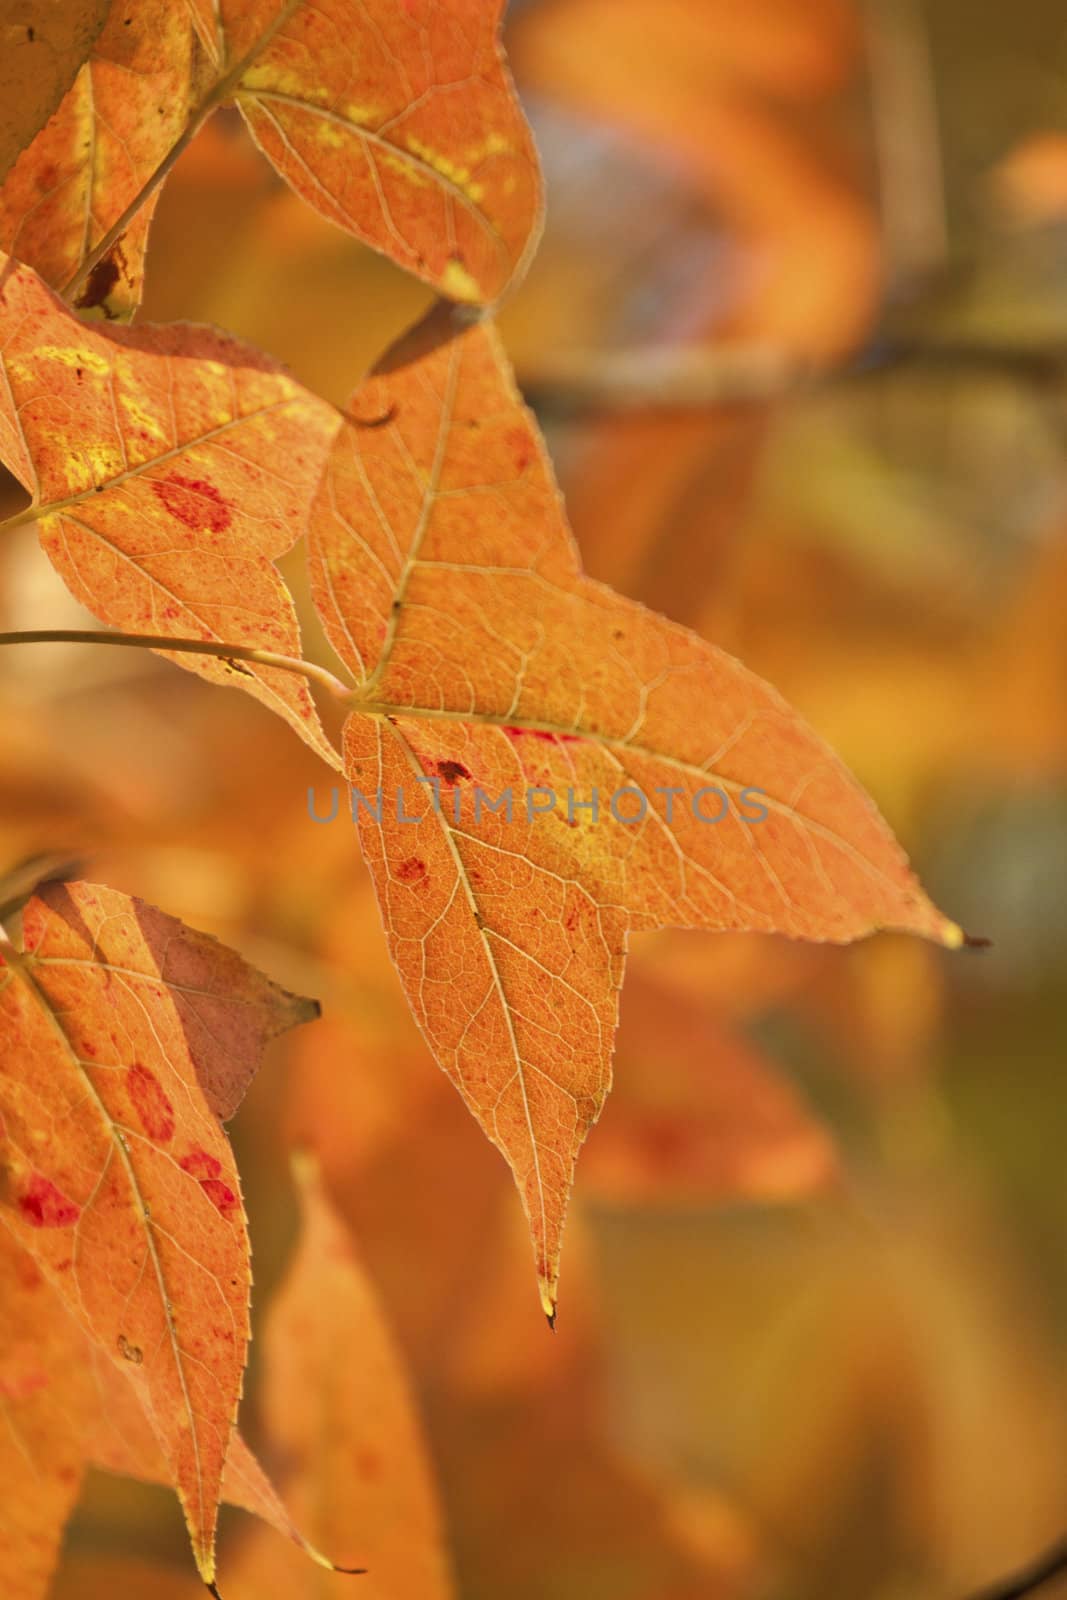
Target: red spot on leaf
{"type": "Point", "coordinates": [21, 1385]}
{"type": "Point", "coordinates": [368, 1465]}
{"type": "Point", "coordinates": [412, 870]}
{"type": "Point", "coordinates": [664, 1144]}
{"type": "Point", "coordinates": [45, 1206]}
{"type": "Point", "coordinates": [544, 735]}
{"type": "Point", "coordinates": [194, 501]}
{"type": "Point", "coordinates": [220, 1194]}
{"type": "Point", "coordinates": [151, 1104]}
{"type": "Point", "coordinates": [520, 443]}
{"type": "Point", "coordinates": [199, 1164]}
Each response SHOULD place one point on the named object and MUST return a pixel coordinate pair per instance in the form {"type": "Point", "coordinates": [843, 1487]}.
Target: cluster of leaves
{"type": "Point", "coordinates": [168, 469]}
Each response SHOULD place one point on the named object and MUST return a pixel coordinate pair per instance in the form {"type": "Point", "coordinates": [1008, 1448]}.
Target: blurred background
{"type": "Point", "coordinates": [798, 336]}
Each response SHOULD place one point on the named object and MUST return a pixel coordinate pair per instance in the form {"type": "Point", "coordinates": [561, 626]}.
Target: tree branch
{"type": "Point", "coordinates": [692, 378]}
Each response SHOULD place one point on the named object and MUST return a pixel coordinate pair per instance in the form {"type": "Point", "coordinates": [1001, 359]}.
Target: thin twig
{"type": "Point", "coordinates": [201, 647]}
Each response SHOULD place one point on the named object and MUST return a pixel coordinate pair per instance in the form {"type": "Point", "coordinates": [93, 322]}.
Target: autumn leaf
{"type": "Point", "coordinates": [724, 90]}
{"type": "Point", "coordinates": [398, 123]}
{"type": "Point", "coordinates": [1030, 183]}
{"type": "Point", "coordinates": [699, 1114]}
{"type": "Point", "coordinates": [339, 1410]}
{"type": "Point", "coordinates": [42, 1387]}
{"type": "Point", "coordinates": [42, 46]}
{"type": "Point", "coordinates": [68, 1406]}
{"type": "Point", "coordinates": [128, 106]}
{"type": "Point", "coordinates": [119, 1439]}
{"type": "Point", "coordinates": [168, 467]}
{"type": "Point", "coordinates": [486, 662]}
{"type": "Point", "coordinates": [125, 1037]}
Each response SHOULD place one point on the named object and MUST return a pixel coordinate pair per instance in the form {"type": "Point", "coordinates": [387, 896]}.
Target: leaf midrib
{"type": "Point", "coordinates": [23, 963]}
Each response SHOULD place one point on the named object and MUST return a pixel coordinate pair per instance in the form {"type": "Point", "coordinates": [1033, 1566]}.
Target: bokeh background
{"type": "Point", "coordinates": [798, 335]}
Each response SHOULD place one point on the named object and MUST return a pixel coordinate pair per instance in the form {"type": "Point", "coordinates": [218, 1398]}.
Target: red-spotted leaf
{"type": "Point", "coordinates": [653, 779]}
{"type": "Point", "coordinates": [122, 1033]}
{"type": "Point", "coordinates": [169, 467]}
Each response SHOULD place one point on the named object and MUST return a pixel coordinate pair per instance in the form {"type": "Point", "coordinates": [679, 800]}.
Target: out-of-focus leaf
{"type": "Point", "coordinates": [704, 81]}
{"type": "Point", "coordinates": [699, 1115]}
{"type": "Point", "coordinates": [42, 1388]}
{"type": "Point", "coordinates": [1031, 182]}
{"type": "Point", "coordinates": [339, 1411]}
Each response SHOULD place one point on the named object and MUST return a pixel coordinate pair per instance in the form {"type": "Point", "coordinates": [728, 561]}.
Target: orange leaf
{"type": "Point", "coordinates": [42, 45]}
{"type": "Point", "coordinates": [1031, 181]}
{"type": "Point", "coordinates": [127, 107]}
{"type": "Point", "coordinates": [722, 88]}
{"type": "Point", "coordinates": [169, 467]}
{"type": "Point", "coordinates": [397, 122]}
{"type": "Point", "coordinates": [450, 586]}
{"type": "Point", "coordinates": [700, 1115]}
{"type": "Point", "coordinates": [67, 1405]}
{"type": "Point", "coordinates": [124, 1035]}
{"type": "Point", "coordinates": [119, 1439]}
{"type": "Point", "coordinates": [42, 1385]}
{"type": "Point", "coordinates": [339, 1409]}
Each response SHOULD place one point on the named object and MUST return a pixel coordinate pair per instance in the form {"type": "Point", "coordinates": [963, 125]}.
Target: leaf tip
{"type": "Point", "coordinates": [308, 1010]}
{"type": "Point", "coordinates": [953, 937]}
{"type": "Point", "coordinates": [331, 1566]}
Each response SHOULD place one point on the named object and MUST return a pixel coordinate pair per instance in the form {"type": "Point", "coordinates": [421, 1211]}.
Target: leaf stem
{"type": "Point", "coordinates": [203, 647]}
